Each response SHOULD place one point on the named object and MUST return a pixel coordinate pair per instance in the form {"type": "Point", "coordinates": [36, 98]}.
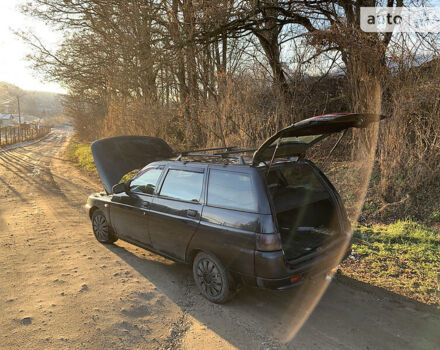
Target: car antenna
{"type": "Point", "coordinates": [336, 144]}
{"type": "Point", "coordinates": [273, 155]}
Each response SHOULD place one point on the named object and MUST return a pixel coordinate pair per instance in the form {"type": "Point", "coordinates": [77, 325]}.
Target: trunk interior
{"type": "Point", "coordinates": [306, 214]}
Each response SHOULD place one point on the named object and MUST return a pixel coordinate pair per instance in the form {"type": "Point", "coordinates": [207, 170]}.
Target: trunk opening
{"type": "Point", "coordinates": [306, 212]}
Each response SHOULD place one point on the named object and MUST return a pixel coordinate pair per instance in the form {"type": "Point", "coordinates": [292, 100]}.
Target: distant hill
{"type": "Point", "coordinates": [44, 105]}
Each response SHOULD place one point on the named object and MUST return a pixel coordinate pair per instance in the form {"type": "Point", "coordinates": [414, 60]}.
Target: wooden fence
{"type": "Point", "coordinates": [13, 134]}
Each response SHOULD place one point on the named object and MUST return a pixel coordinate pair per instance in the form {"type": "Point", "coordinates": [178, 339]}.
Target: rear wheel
{"type": "Point", "coordinates": [101, 228]}
{"type": "Point", "coordinates": [212, 279]}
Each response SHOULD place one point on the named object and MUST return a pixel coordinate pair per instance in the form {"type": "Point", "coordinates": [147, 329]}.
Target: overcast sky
{"type": "Point", "coordinates": [14, 68]}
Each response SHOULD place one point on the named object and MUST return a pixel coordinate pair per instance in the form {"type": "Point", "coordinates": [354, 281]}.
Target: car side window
{"type": "Point", "coordinates": [146, 182]}
{"type": "Point", "coordinates": [183, 185]}
{"type": "Point", "coordinates": [231, 190]}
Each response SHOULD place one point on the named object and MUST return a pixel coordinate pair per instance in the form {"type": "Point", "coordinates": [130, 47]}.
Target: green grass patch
{"type": "Point", "coordinates": [81, 154]}
{"type": "Point", "coordinates": [403, 257]}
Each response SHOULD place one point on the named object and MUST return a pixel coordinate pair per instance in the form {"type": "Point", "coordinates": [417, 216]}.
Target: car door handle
{"type": "Point", "coordinates": [191, 213]}
{"type": "Point", "coordinates": [145, 205]}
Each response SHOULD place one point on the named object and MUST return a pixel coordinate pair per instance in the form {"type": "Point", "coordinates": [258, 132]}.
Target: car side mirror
{"type": "Point", "coordinates": [120, 188]}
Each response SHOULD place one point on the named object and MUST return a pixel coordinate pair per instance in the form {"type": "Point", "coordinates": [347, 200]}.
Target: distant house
{"type": "Point", "coordinates": [28, 118]}
{"type": "Point", "coordinates": [6, 119]}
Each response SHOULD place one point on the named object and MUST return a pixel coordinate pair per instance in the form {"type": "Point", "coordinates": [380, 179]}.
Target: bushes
{"type": "Point", "coordinates": [409, 143]}
{"type": "Point", "coordinates": [248, 111]}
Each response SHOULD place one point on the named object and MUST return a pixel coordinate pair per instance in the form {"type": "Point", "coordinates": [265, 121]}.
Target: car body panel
{"type": "Point", "coordinates": [230, 234]}
{"type": "Point", "coordinates": [172, 224]}
{"type": "Point", "coordinates": [129, 216]}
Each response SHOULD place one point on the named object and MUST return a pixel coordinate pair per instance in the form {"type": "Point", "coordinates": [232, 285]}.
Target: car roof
{"type": "Point", "coordinates": [243, 168]}
{"type": "Point", "coordinates": [204, 165]}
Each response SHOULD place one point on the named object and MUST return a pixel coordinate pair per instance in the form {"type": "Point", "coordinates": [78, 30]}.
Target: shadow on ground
{"type": "Point", "coordinates": [347, 317]}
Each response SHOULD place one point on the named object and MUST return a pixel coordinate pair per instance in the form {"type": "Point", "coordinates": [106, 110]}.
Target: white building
{"type": "Point", "coordinates": [6, 120]}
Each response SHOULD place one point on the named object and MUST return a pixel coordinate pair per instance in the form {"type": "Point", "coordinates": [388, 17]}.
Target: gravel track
{"type": "Point", "coordinates": [61, 289]}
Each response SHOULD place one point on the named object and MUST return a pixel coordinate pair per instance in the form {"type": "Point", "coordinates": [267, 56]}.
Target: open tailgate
{"type": "Point", "coordinates": [295, 139]}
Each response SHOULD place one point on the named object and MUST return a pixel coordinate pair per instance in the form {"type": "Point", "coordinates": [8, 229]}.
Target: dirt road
{"type": "Point", "coordinates": [61, 289]}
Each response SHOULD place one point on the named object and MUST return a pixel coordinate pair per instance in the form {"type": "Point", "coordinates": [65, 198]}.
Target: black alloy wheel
{"type": "Point", "coordinates": [212, 279]}
{"type": "Point", "coordinates": [101, 228]}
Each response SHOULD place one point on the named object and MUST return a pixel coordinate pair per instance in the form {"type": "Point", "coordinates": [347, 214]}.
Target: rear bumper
{"type": "Point", "coordinates": [274, 272]}
{"type": "Point", "coordinates": [278, 284]}
{"type": "Point", "coordinates": [292, 281]}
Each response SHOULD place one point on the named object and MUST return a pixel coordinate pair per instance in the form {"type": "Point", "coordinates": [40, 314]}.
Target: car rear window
{"type": "Point", "coordinates": [231, 190]}
{"type": "Point", "coordinates": [183, 185]}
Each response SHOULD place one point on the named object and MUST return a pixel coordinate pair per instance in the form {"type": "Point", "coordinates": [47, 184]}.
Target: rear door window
{"type": "Point", "coordinates": [183, 185]}
{"type": "Point", "coordinates": [231, 190]}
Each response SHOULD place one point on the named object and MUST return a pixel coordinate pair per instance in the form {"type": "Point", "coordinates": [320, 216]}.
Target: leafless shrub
{"type": "Point", "coordinates": [410, 140]}
{"type": "Point", "coordinates": [216, 73]}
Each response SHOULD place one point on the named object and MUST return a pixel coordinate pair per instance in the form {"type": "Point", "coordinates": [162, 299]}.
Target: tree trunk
{"type": "Point", "coordinates": [190, 50]}
{"type": "Point", "coordinates": [267, 35]}
{"type": "Point", "coordinates": [364, 82]}
{"type": "Point", "coordinates": [177, 39]}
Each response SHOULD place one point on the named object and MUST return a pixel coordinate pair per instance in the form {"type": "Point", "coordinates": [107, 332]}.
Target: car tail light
{"type": "Point", "coordinates": [268, 242]}
{"type": "Point", "coordinates": [295, 278]}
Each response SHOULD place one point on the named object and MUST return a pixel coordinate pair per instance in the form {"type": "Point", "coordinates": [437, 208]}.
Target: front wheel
{"type": "Point", "coordinates": [212, 279]}
{"type": "Point", "coordinates": [101, 228]}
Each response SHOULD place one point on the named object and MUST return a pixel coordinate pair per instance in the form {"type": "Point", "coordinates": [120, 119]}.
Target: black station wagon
{"type": "Point", "coordinates": [271, 222]}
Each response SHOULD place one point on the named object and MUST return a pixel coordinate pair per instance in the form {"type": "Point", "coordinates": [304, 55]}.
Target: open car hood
{"type": "Point", "coordinates": [116, 156]}
{"type": "Point", "coordinates": [297, 138]}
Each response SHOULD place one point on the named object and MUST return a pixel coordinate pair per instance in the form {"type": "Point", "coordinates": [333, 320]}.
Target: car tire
{"type": "Point", "coordinates": [213, 280]}
{"type": "Point", "coordinates": [101, 229]}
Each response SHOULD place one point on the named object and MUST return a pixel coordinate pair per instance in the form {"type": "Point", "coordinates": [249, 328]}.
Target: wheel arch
{"type": "Point", "coordinates": [192, 255]}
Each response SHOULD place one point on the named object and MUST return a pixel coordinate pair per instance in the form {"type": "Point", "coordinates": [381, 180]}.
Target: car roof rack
{"type": "Point", "coordinates": [228, 153]}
